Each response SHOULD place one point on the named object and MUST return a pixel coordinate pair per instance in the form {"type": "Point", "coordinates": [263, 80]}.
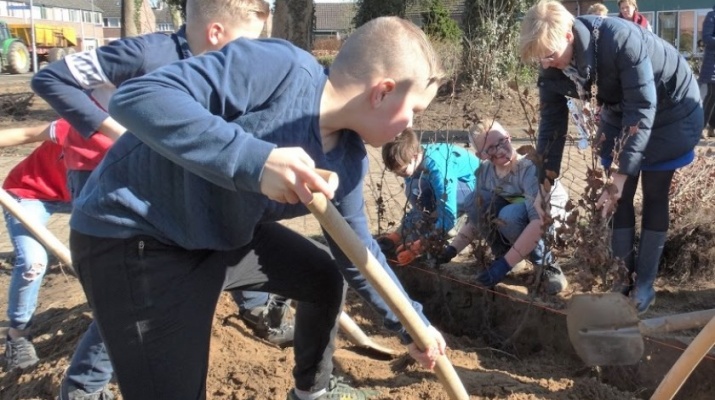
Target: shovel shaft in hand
{"type": "Point", "coordinates": [355, 250]}
{"type": "Point", "coordinates": [686, 363]}
{"type": "Point", "coordinates": [38, 230]}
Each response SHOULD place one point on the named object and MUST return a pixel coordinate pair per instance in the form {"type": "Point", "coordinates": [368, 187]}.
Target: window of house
{"type": "Point", "coordinates": [668, 26]}
{"type": "Point", "coordinates": [3, 9]}
{"type": "Point", "coordinates": [17, 10]}
{"type": "Point", "coordinates": [165, 27]}
{"type": "Point", "coordinates": [686, 32]}
{"type": "Point", "coordinates": [65, 14]}
{"type": "Point", "coordinates": [112, 23]}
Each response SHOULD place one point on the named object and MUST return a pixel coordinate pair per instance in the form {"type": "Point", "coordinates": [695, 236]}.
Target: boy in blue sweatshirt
{"type": "Point", "coordinates": [218, 148]}
{"type": "Point", "coordinates": [438, 179]}
{"type": "Point", "coordinates": [64, 85]}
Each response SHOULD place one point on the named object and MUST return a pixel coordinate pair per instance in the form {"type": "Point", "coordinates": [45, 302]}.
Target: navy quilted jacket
{"type": "Point", "coordinates": [707, 69]}
{"type": "Point", "coordinates": [642, 81]}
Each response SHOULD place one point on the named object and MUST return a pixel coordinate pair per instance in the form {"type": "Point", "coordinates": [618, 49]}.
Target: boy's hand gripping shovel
{"type": "Point", "coordinates": [605, 328]}
{"type": "Point", "coordinates": [352, 246]}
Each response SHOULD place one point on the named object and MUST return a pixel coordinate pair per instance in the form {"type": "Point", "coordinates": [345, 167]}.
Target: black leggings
{"type": "Point", "coordinates": [656, 195]}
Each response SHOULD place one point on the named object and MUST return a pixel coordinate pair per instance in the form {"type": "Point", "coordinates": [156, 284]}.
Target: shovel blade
{"type": "Point", "coordinates": [604, 329]}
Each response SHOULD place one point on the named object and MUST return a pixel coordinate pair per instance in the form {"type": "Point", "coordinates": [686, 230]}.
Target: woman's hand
{"type": "Point", "coordinates": [611, 194]}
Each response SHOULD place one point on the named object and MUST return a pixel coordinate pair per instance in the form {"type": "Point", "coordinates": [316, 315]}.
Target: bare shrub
{"type": "Point", "coordinates": [689, 252]}
{"type": "Point", "coordinates": [16, 105]}
{"type": "Point", "coordinates": [329, 44]}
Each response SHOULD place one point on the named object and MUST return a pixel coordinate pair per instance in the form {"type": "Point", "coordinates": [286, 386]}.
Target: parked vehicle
{"type": "Point", "coordinates": [14, 56]}
{"type": "Point", "coordinates": [53, 42]}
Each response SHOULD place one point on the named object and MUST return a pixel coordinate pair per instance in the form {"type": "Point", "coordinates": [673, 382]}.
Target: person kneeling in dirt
{"type": "Point", "coordinates": [503, 211]}
{"type": "Point", "coordinates": [438, 179]}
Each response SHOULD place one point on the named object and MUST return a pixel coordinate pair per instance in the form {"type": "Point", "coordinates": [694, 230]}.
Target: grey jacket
{"type": "Point", "coordinates": [642, 81]}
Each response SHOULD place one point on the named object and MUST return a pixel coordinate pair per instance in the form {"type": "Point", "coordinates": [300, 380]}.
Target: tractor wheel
{"type": "Point", "coordinates": [70, 50]}
{"type": "Point", "coordinates": [56, 53]}
{"type": "Point", "coordinates": [18, 58]}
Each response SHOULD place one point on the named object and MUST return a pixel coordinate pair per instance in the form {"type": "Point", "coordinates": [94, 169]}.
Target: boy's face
{"type": "Point", "coordinates": [393, 111]}
{"type": "Point", "coordinates": [496, 147]}
{"type": "Point", "coordinates": [407, 169]}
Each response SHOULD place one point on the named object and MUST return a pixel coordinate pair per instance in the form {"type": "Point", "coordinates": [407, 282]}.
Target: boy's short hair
{"type": "Point", "coordinates": [478, 133]}
{"type": "Point", "coordinates": [228, 10]}
{"type": "Point", "coordinates": [389, 47]}
{"type": "Point", "coordinates": [399, 152]}
{"type": "Point", "coordinates": [544, 26]}
{"type": "Point", "coordinates": [598, 9]}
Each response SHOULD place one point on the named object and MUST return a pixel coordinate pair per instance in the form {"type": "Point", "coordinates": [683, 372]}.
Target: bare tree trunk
{"type": "Point", "coordinates": [293, 21]}
{"type": "Point", "coordinates": [129, 14]}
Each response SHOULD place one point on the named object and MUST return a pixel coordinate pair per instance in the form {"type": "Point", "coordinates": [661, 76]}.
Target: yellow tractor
{"type": "Point", "coordinates": [52, 42]}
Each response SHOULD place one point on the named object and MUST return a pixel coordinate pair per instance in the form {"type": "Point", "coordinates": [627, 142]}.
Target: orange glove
{"type": "Point", "coordinates": [407, 253]}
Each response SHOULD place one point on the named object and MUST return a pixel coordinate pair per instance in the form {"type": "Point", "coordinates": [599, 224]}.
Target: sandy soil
{"type": "Point", "coordinates": [243, 367]}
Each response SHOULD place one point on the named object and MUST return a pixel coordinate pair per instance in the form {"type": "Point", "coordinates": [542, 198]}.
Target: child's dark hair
{"type": "Point", "coordinates": [399, 152]}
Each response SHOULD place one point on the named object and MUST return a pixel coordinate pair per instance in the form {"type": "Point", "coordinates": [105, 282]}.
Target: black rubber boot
{"type": "Point", "coordinates": [622, 247]}
{"type": "Point", "coordinates": [649, 252]}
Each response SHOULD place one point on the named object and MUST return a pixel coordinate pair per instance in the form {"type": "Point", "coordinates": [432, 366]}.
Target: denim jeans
{"type": "Point", "coordinates": [248, 300]}
{"type": "Point", "coordinates": [513, 220]}
{"type": "Point", "coordinates": [30, 260]}
{"type": "Point", "coordinates": [154, 304]}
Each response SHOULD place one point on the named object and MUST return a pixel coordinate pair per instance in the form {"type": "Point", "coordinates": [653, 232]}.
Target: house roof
{"type": "Point", "coordinates": [73, 4]}
{"type": "Point", "coordinates": [334, 16]}
{"type": "Point", "coordinates": [453, 6]}
{"type": "Point", "coordinates": [112, 8]}
{"type": "Point", "coordinates": [163, 15]}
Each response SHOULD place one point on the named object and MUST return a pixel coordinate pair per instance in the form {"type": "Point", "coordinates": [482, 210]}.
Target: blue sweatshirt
{"type": "Point", "coordinates": [65, 84]}
{"type": "Point", "coordinates": [200, 131]}
{"type": "Point", "coordinates": [443, 166]}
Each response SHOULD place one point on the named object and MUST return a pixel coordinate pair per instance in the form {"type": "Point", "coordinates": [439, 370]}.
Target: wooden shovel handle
{"type": "Point", "coordinates": [676, 322]}
{"type": "Point", "coordinates": [687, 362]}
{"type": "Point", "coordinates": [38, 230]}
{"type": "Point", "coordinates": [355, 250]}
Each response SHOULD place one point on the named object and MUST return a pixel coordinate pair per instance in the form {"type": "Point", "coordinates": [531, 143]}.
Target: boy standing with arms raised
{"type": "Point", "coordinates": [221, 146]}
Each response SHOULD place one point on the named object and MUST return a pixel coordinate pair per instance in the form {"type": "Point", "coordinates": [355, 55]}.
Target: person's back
{"type": "Point", "coordinates": [706, 78]}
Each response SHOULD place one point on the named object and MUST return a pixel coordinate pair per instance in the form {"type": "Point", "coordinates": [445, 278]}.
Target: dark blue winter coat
{"type": "Point", "coordinates": [642, 81]}
{"type": "Point", "coordinates": [707, 69]}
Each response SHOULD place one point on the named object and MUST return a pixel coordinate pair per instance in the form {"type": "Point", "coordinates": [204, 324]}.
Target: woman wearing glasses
{"type": "Point", "coordinates": [649, 122]}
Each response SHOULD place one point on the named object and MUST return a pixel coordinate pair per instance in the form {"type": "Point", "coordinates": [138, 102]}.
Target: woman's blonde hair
{"type": "Point", "coordinates": [544, 27]}
{"type": "Point", "coordinates": [598, 9]}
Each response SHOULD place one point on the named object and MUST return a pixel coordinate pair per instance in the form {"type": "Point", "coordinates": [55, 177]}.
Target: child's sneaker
{"type": "Point", "coordinates": [70, 392]}
{"type": "Point", "coordinates": [19, 353]}
{"type": "Point", "coordinates": [553, 279]}
{"type": "Point", "coordinates": [337, 390]}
